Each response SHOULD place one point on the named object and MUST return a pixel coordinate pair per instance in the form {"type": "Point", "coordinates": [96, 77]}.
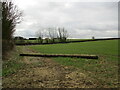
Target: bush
{"type": "Point", "coordinates": [6, 47]}
{"type": "Point", "coordinates": [10, 17]}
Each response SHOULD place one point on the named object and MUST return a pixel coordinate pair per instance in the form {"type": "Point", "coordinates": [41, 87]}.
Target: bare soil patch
{"type": "Point", "coordinates": [46, 73]}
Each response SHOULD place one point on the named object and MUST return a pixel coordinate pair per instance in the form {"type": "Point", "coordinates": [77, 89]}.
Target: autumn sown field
{"type": "Point", "coordinates": [105, 48]}
{"type": "Point", "coordinates": [97, 73]}
{"type": "Point", "coordinates": [44, 41]}
{"type": "Point", "coordinates": [103, 70]}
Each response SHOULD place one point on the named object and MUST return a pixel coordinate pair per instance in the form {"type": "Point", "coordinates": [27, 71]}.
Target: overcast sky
{"type": "Point", "coordinates": [80, 19]}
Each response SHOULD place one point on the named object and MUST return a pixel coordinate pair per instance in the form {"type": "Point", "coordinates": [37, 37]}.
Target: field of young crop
{"type": "Point", "coordinates": [107, 47]}
{"type": "Point", "coordinates": [44, 41]}
{"type": "Point", "coordinates": [103, 70]}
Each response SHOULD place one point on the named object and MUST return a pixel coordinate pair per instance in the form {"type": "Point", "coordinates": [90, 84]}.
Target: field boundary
{"type": "Point", "coordinates": [22, 44]}
{"type": "Point", "coordinates": [62, 55]}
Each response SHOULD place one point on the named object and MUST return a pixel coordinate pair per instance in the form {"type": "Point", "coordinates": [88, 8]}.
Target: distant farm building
{"type": "Point", "coordinates": [32, 38]}
{"type": "Point", "coordinates": [19, 38]}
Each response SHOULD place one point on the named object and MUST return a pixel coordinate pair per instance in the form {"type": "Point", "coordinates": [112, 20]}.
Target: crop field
{"type": "Point", "coordinates": [44, 41]}
{"type": "Point", "coordinates": [103, 70]}
{"type": "Point", "coordinates": [108, 47]}
{"type": "Point", "coordinates": [78, 39]}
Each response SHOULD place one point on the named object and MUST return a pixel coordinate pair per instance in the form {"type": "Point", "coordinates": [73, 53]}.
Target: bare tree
{"type": "Point", "coordinates": [59, 34]}
{"type": "Point", "coordinates": [62, 34]}
{"type": "Point", "coordinates": [11, 16]}
{"type": "Point", "coordinates": [47, 40]}
{"type": "Point", "coordinates": [39, 34]}
{"type": "Point", "coordinates": [52, 34]}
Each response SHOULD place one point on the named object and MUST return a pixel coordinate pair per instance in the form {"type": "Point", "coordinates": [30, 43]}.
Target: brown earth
{"type": "Point", "coordinates": [46, 73]}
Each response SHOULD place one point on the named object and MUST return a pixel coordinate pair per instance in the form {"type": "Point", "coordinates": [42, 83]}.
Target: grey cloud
{"type": "Point", "coordinates": [82, 20]}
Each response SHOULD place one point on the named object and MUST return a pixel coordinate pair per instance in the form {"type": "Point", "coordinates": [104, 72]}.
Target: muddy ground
{"type": "Point", "coordinates": [46, 73]}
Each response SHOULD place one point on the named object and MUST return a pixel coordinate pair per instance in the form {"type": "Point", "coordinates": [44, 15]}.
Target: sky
{"type": "Point", "coordinates": [80, 19]}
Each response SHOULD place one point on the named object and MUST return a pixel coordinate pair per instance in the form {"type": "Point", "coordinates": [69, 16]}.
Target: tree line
{"type": "Point", "coordinates": [52, 34]}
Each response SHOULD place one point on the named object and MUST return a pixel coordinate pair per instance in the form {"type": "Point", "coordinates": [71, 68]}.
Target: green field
{"type": "Point", "coordinates": [44, 41]}
{"type": "Point", "coordinates": [107, 47]}
{"type": "Point", "coordinates": [78, 39]}
{"type": "Point", "coordinates": [104, 69]}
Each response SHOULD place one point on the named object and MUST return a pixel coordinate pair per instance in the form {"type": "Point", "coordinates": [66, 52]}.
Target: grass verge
{"type": "Point", "coordinates": [13, 62]}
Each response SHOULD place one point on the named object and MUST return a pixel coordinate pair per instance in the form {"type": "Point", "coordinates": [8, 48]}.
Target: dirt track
{"type": "Point", "coordinates": [46, 73]}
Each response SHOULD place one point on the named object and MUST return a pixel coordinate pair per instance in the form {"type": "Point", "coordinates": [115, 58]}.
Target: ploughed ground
{"type": "Point", "coordinates": [46, 73]}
